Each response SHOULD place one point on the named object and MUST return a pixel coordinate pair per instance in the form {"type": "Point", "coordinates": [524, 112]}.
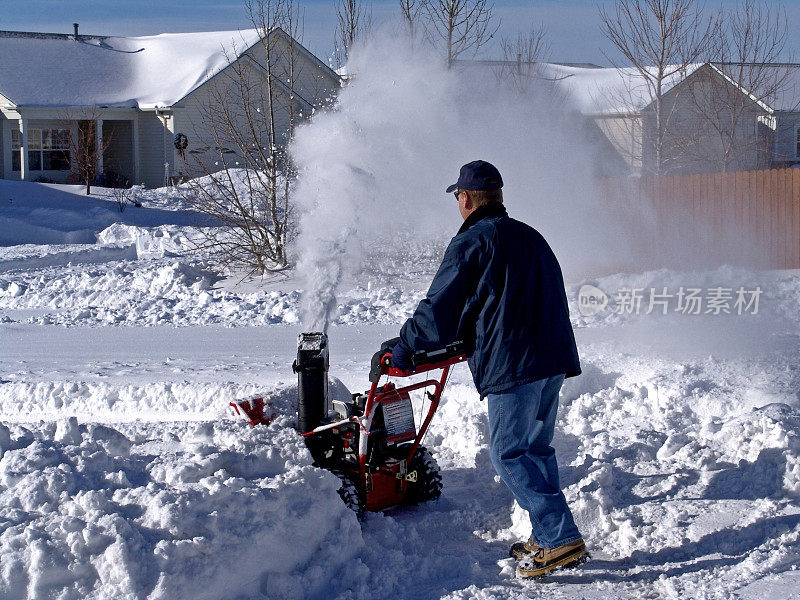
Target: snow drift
{"type": "Point", "coordinates": [176, 511]}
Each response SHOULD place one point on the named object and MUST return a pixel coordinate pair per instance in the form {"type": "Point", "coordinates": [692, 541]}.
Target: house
{"type": "Point", "coordinates": [142, 99]}
{"type": "Point", "coordinates": [715, 116]}
{"type": "Point", "coordinates": [711, 121]}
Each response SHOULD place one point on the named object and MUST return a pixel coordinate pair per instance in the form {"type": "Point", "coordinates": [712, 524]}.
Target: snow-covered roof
{"type": "Point", "coordinates": [610, 90]}
{"type": "Point", "coordinates": [142, 72]}
{"type": "Point", "coordinates": [782, 78]}
{"type": "Point", "coordinates": [593, 90]}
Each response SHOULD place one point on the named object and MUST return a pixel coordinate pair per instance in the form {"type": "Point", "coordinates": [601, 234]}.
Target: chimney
{"type": "Point", "coordinates": [75, 25]}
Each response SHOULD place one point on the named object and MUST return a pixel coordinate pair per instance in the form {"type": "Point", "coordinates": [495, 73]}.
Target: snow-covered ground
{"type": "Point", "coordinates": [123, 476]}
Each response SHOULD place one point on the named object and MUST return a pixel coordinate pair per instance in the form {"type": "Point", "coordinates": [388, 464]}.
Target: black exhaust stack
{"type": "Point", "coordinates": [311, 367]}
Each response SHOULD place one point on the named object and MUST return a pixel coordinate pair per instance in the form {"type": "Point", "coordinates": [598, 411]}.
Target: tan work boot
{"type": "Point", "coordinates": [520, 550]}
{"type": "Point", "coordinates": [546, 560]}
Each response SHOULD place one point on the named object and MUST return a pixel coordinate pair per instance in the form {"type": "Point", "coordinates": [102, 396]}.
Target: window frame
{"type": "Point", "coordinates": [41, 141]}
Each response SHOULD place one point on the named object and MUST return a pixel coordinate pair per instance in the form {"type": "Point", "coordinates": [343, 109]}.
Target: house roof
{"type": "Point", "coordinates": [52, 70]}
{"type": "Point", "coordinates": [609, 90]}
{"type": "Point", "coordinates": [785, 77]}
{"type": "Point", "coordinates": [592, 90]}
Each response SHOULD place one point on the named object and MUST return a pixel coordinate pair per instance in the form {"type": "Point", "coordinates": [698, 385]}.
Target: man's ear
{"type": "Point", "coordinates": [468, 201]}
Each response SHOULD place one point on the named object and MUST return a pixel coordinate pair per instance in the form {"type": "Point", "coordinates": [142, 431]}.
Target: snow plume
{"type": "Point", "coordinates": [376, 166]}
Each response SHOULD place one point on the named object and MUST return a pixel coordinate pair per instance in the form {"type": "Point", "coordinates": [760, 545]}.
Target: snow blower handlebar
{"type": "Point", "coordinates": [421, 361]}
{"type": "Point", "coordinates": [443, 359]}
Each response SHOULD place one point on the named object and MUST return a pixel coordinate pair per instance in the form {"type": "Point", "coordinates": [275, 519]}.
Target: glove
{"type": "Point", "coordinates": [401, 358]}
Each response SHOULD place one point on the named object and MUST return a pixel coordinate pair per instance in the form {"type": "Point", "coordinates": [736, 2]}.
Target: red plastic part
{"type": "Point", "coordinates": [386, 491]}
{"type": "Point", "coordinates": [255, 410]}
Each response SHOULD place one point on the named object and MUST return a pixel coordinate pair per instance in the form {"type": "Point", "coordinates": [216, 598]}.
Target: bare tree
{"type": "Point", "coordinates": [729, 97]}
{"type": "Point", "coordinates": [410, 12]}
{"type": "Point", "coordinates": [460, 25]}
{"type": "Point", "coordinates": [252, 111]}
{"type": "Point", "coordinates": [659, 39]}
{"type": "Point", "coordinates": [125, 196]}
{"type": "Point", "coordinates": [521, 56]}
{"type": "Point", "coordinates": [354, 21]}
{"type": "Point", "coordinates": [85, 146]}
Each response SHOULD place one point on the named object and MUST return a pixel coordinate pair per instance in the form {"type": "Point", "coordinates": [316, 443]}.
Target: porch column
{"type": "Point", "coordinates": [98, 144]}
{"type": "Point", "coordinates": [23, 148]}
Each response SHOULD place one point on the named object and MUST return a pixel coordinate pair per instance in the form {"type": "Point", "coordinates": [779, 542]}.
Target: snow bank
{"type": "Point", "coordinates": [682, 477]}
{"type": "Point", "coordinates": [113, 293]}
{"type": "Point", "coordinates": [639, 449]}
{"type": "Point", "coordinates": [38, 256]}
{"type": "Point", "coordinates": [176, 292]}
{"type": "Point", "coordinates": [169, 289]}
{"type": "Point", "coordinates": [210, 510]}
{"type": "Point", "coordinates": [150, 242]}
{"type": "Point", "coordinates": [35, 213]}
{"type": "Point", "coordinates": [91, 400]}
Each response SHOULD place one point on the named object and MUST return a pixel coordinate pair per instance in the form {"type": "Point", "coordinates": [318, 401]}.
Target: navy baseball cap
{"type": "Point", "coordinates": [477, 175]}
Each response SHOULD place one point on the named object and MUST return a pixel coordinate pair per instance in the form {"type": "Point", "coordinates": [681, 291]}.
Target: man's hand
{"type": "Point", "coordinates": [401, 358]}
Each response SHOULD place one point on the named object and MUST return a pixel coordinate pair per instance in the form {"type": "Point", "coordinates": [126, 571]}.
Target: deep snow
{"type": "Point", "coordinates": [123, 476]}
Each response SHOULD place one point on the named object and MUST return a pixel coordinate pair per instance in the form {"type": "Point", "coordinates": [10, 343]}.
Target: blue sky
{"type": "Point", "coordinates": [572, 25]}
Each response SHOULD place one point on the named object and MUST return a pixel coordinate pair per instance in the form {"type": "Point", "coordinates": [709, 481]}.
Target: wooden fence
{"type": "Point", "coordinates": [751, 218]}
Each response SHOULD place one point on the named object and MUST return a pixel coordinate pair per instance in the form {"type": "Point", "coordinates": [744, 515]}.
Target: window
{"type": "Point", "coordinates": [797, 142]}
{"type": "Point", "coordinates": [15, 143]}
{"type": "Point", "coordinates": [48, 149]}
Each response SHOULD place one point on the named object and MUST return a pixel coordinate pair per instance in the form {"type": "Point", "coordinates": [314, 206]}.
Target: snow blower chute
{"type": "Point", "coordinates": [371, 441]}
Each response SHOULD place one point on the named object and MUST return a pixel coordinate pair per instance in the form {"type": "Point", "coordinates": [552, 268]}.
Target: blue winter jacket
{"type": "Point", "coordinates": [500, 289]}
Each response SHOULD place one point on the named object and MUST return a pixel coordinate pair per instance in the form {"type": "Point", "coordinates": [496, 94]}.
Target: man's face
{"type": "Point", "coordinates": [464, 204]}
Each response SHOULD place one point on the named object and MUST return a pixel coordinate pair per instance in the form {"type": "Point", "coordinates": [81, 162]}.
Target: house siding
{"type": "Point", "coordinates": [314, 85]}
{"type": "Point", "coordinates": [624, 133]}
{"type": "Point", "coordinates": [153, 150]}
{"type": "Point", "coordinates": [5, 138]}
{"type": "Point", "coordinates": [691, 143]}
{"type": "Point", "coordinates": [190, 121]}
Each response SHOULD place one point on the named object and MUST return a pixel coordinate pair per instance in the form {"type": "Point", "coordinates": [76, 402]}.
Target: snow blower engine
{"type": "Point", "coordinates": [371, 441]}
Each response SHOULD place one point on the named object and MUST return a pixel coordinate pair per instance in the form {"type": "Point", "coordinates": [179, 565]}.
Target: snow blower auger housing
{"type": "Point", "coordinates": [371, 441]}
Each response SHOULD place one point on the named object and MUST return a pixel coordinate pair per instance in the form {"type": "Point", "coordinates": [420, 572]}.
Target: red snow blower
{"type": "Point", "coordinates": [370, 441]}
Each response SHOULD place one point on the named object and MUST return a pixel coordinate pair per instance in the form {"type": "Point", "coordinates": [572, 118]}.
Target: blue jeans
{"type": "Point", "coordinates": [521, 423]}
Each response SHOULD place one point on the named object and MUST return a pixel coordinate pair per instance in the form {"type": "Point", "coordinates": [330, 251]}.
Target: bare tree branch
{"type": "Point", "coordinates": [521, 56]}
{"type": "Point", "coordinates": [85, 152]}
{"type": "Point", "coordinates": [354, 21]}
{"type": "Point", "coordinates": [731, 120]}
{"type": "Point", "coordinates": [462, 26]}
{"type": "Point", "coordinates": [660, 39]}
{"type": "Point", "coordinates": [410, 11]}
{"type": "Point", "coordinates": [252, 111]}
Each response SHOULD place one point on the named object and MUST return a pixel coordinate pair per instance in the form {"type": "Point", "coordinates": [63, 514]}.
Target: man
{"type": "Point", "coordinates": [500, 289]}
